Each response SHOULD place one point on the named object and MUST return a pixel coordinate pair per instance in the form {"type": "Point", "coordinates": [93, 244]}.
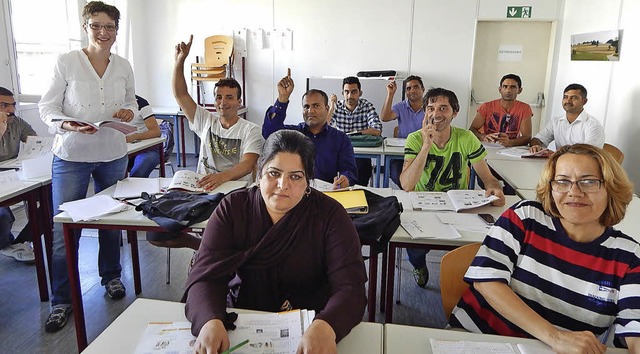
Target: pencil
{"type": "Point", "coordinates": [236, 347]}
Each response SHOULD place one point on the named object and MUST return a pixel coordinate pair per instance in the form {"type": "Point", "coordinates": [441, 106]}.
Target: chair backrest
{"type": "Point", "coordinates": [615, 152]}
{"type": "Point", "coordinates": [453, 266]}
{"type": "Point", "coordinates": [217, 50]}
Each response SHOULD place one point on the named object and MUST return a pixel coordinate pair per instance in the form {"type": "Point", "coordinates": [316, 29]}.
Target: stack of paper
{"type": "Point", "coordinates": [468, 347]}
{"type": "Point", "coordinates": [92, 208]}
{"type": "Point", "coordinates": [399, 142]}
{"type": "Point", "coordinates": [426, 225]}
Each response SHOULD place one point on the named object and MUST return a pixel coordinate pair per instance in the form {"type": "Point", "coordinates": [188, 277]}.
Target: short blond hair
{"type": "Point", "coordinates": [616, 182]}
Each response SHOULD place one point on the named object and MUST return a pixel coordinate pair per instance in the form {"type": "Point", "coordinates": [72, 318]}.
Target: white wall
{"type": "Point", "coordinates": [614, 90]}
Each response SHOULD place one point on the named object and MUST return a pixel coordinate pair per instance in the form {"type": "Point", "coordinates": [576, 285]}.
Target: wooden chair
{"type": "Point", "coordinates": [453, 266]}
{"type": "Point", "coordinates": [218, 59]}
{"type": "Point", "coordinates": [615, 152]}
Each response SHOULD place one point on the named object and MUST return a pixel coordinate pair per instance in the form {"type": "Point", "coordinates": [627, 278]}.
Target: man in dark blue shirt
{"type": "Point", "coordinates": [335, 161]}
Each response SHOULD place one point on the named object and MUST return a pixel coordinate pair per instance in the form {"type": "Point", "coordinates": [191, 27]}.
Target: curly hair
{"type": "Point", "coordinates": [616, 182]}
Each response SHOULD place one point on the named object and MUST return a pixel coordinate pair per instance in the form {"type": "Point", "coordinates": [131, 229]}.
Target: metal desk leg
{"type": "Point", "coordinates": [373, 282]}
{"type": "Point", "coordinates": [391, 269]}
{"type": "Point", "coordinates": [32, 214]}
{"type": "Point", "coordinates": [74, 283]}
{"type": "Point", "coordinates": [132, 236]}
{"type": "Point", "coordinates": [376, 182]}
{"type": "Point", "coordinates": [387, 171]}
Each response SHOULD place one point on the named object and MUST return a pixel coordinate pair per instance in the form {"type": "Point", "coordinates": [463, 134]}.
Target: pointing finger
{"type": "Point", "coordinates": [289, 72]}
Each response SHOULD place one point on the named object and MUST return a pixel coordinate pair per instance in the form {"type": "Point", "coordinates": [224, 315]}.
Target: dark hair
{"type": "Point", "coordinates": [414, 78]}
{"type": "Point", "coordinates": [351, 80]}
{"type": "Point", "coordinates": [229, 82]}
{"type": "Point", "coordinates": [616, 182]}
{"type": "Point", "coordinates": [433, 94]}
{"type": "Point", "coordinates": [5, 92]}
{"type": "Point", "coordinates": [94, 7]}
{"type": "Point", "coordinates": [583, 91]}
{"type": "Point", "coordinates": [289, 141]}
{"type": "Point", "coordinates": [513, 77]}
{"type": "Point", "coordinates": [319, 92]}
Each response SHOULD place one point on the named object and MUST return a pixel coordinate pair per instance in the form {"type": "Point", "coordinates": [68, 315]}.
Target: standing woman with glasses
{"type": "Point", "coordinates": [555, 269]}
{"type": "Point", "coordinates": [90, 84]}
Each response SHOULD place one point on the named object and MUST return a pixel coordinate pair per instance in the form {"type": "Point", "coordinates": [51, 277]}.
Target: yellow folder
{"type": "Point", "coordinates": [353, 201]}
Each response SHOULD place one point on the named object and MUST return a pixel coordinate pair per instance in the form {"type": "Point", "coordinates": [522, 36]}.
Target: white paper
{"type": "Point", "coordinates": [132, 187]}
{"type": "Point", "coordinates": [426, 225]}
{"type": "Point", "coordinates": [166, 337]}
{"type": "Point", "coordinates": [228, 187]}
{"type": "Point", "coordinates": [35, 146]}
{"type": "Point", "coordinates": [531, 349]}
{"type": "Point", "coordinates": [467, 347]}
{"type": "Point", "coordinates": [9, 180]}
{"type": "Point", "coordinates": [322, 186]}
{"type": "Point", "coordinates": [396, 142]}
{"type": "Point", "coordinates": [510, 52]}
{"type": "Point", "coordinates": [464, 222]}
{"type": "Point", "coordinates": [38, 166]}
{"type": "Point", "coordinates": [92, 208]}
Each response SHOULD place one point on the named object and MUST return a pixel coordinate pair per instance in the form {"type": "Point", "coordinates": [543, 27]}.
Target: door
{"type": "Point", "coordinates": [518, 47]}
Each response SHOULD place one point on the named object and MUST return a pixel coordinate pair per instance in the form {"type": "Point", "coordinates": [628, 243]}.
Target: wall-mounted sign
{"type": "Point", "coordinates": [518, 11]}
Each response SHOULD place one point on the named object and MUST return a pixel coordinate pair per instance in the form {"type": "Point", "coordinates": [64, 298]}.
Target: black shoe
{"type": "Point", "coordinates": [57, 319]}
{"type": "Point", "coordinates": [115, 289]}
{"type": "Point", "coordinates": [421, 276]}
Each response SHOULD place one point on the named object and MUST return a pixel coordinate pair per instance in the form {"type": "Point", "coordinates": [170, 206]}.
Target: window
{"type": "Point", "coordinates": [42, 30]}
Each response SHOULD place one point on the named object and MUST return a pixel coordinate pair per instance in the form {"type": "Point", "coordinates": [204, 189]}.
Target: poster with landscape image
{"type": "Point", "coordinates": [598, 46]}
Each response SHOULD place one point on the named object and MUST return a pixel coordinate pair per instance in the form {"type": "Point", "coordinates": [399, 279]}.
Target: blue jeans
{"type": "Point", "coordinates": [417, 257]}
{"type": "Point", "coordinates": [6, 223]}
{"type": "Point", "coordinates": [395, 169]}
{"type": "Point", "coordinates": [144, 163]}
{"type": "Point", "coordinates": [70, 181]}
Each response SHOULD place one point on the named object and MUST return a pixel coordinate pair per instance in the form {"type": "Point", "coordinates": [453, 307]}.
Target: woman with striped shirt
{"type": "Point", "coordinates": [555, 269]}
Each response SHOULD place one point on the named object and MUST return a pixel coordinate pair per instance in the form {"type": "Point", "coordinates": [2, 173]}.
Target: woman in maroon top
{"type": "Point", "coordinates": [289, 245]}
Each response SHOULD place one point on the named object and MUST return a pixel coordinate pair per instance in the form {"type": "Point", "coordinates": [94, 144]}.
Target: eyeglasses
{"type": "Point", "coordinates": [97, 27]}
{"type": "Point", "coordinates": [5, 105]}
{"type": "Point", "coordinates": [584, 185]}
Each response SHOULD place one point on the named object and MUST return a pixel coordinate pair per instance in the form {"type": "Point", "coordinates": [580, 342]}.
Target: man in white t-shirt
{"type": "Point", "coordinates": [576, 126]}
{"type": "Point", "coordinates": [230, 145]}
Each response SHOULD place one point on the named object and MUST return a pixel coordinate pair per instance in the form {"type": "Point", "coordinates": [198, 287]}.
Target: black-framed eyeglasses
{"type": "Point", "coordinates": [97, 27]}
{"type": "Point", "coordinates": [584, 185]}
{"type": "Point", "coordinates": [5, 105]}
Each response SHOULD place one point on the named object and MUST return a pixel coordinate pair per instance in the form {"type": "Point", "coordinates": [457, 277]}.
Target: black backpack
{"type": "Point", "coordinates": [177, 210]}
{"type": "Point", "coordinates": [376, 227]}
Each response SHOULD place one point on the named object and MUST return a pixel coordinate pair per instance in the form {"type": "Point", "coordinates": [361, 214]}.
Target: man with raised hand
{"type": "Point", "coordinates": [335, 161]}
{"type": "Point", "coordinates": [408, 112]}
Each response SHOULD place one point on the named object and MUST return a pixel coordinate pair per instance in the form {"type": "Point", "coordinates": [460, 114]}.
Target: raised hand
{"type": "Point", "coordinates": [427, 131]}
{"type": "Point", "coordinates": [392, 87]}
{"type": "Point", "coordinates": [285, 87]}
{"type": "Point", "coordinates": [182, 50]}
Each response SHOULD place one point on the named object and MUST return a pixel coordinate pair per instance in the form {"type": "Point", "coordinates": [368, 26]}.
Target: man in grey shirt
{"type": "Point", "coordinates": [13, 130]}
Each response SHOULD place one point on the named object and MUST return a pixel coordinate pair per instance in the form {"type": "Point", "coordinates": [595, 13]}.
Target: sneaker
{"type": "Point", "coordinates": [421, 276]}
{"type": "Point", "coordinates": [115, 289]}
{"type": "Point", "coordinates": [21, 252]}
{"type": "Point", "coordinates": [57, 319]}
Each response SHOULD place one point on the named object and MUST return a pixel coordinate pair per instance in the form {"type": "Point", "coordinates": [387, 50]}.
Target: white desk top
{"type": "Point", "coordinates": [123, 334]}
{"type": "Point", "coordinates": [521, 174]}
{"type": "Point", "coordinates": [378, 150]}
{"type": "Point", "coordinates": [143, 144]}
{"type": "Point", "coordinates": [406, 339]}
{"type": "Point", "coordinates": [401, 234]}
{"type": "Point", "coordinates": [18, 189]}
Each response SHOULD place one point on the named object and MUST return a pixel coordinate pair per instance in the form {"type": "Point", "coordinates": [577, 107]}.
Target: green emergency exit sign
{"type": "Point", "coordinates": [518, 11]}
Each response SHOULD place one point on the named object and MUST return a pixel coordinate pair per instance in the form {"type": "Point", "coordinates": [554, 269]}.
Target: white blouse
{"type": "Point", "coordinates": [77, 91]}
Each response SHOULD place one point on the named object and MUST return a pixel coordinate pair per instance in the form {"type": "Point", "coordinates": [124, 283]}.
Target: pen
{"type": "Point", "coordinates": [235, 347]}
{"type": "Point", "coordinates": [605, 336]}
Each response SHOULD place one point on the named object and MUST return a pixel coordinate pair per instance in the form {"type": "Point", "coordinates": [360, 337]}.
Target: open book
{"type": "Point", "coordinates": [184, 180]}
{"type": "Point", "coordinates": [523, 152]}
{"type": "Point", "coordinates": [36, 146]}
{"type": "Point", "coordinates": [116, 124]}
{"type": "Point", "coordinates": [354, 201]}
{"type": "Point", "coordinates": [454, 200]}
{"type": "Point", "coordinates": [254, 333]}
